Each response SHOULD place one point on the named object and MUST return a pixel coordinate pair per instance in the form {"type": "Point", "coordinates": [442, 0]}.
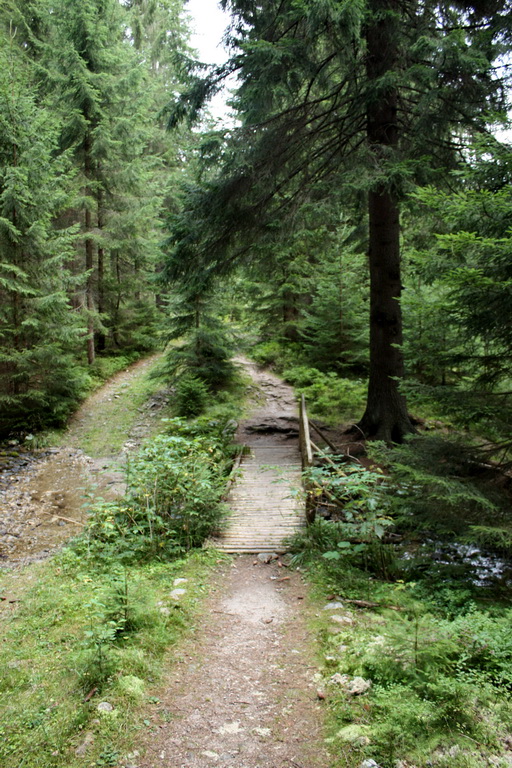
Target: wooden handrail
{"type": "Point", "coordinates": [306, 452]}
{"type": "Point", "coordinates": [304, 436]}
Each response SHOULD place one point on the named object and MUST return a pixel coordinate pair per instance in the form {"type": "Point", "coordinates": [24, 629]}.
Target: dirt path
{"type": "Point", "coordinates": [42, 492]}
{"type": "Point", "coordinates": [242, 694]}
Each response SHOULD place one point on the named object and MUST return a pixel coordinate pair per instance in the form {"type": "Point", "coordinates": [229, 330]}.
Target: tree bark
{"type": "Point", "coordinates": [101, 341]}
{"type": "Point", "coordinates": [89, 257]}
{"type": "Point", "coordinates": [89, 265]}
{"type": "Point", "coordinates": [386, 415]}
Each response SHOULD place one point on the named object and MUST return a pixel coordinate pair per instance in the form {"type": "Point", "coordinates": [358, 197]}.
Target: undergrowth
{"type": "Point", "coordinates": [83, 633]}
{"type": "Point", "coordinates": [173, 498]}
{"type": "Point", "coordinates": [328, 395]}
{"type": "Point", "coordinates": [95, 624]}
{"type": "Point", "coordinates": [433, 638]}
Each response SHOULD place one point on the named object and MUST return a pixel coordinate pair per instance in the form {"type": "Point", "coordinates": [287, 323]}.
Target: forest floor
{"type": "Point", "coordinates": [241, 691]}
{"type": "Point", "coordinates": [243, 694]}
{"type": "Point", "coordinates": [42, 492]}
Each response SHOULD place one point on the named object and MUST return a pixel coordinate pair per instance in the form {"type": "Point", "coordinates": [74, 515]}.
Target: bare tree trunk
{"type": "Point", "coordinates": [89, 258]}
{"type": "Point", "coordinates": [386, 415]}
{"type": "Point", "coordinates": [89, 288]}
{"type": "Point", "coordinates": [100, 336]}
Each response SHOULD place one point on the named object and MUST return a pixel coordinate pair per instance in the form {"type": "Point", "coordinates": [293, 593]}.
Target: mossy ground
{"type": "Point", "coordinates": [107, 419]}
{"type": "Point", "coordinates": [73, 639]}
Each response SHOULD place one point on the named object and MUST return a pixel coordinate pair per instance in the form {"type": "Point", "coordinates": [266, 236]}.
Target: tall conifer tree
{"type": "Point", "coordinates": [38, 333]}
{"type": "Point", "coordinates": [364, 96]}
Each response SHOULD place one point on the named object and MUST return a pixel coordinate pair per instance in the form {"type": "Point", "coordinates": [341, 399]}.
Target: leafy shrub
{"type": "Point", "coordinates": [358, 520]}
{"type": "Point", "coordinates": [191, 396]}
{"type": "Point", "coordinates": [49, 386]}
{"type": "Point", "coordinates": [484, 646]}
{"type": "Point", "coordinates": [173, 497]}
{"type": "Point", "coordinates": [267, 353]}
{"type": "Point", "coordinates": [437, 485]}
{"type": "Point", "coordinates": [204, 353]}
{"type": "Point", "coordinates": [433, 682]}
{"type": "Point", "coordinates": [106, 366]}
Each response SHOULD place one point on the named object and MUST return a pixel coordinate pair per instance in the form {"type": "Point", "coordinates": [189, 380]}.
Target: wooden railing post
{"type": "Point", "coordinates": [306, 452]}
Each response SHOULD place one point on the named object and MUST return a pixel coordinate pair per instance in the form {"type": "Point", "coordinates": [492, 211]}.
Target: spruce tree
{"type": "Point", "coordinates": [39, 334]}
{"type": "Point", "coordinates": [368, 97]}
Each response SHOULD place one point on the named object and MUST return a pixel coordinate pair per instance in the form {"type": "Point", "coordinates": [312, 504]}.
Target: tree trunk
{"type": "Point", "coordinates": [89, 257]}
{"type": "Point", "coordinates": [290, 315]}
{"type": "Point", "coordinates": [101, 341]}
{"type": "Point", "coordinates": [386, 415]}
{"type": "Point", "coordinates": [89, 265]}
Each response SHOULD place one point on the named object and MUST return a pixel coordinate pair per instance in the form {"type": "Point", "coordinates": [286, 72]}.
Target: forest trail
{"type": "Point", "coordinates": [241, 694]}
{"type": "Point", "coordinates": [42, 492]}
{"type": "Point", "coordinates": [241, 691]}
{"type": "Point", "coordinates": [265, 508]}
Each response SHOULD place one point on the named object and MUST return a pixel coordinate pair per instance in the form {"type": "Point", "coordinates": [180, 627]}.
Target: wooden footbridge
{"type": "Point", "coordinates": [266, 500]}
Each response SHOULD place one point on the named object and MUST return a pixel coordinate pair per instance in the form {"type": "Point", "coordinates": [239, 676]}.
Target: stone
{"type": "Point", "coordinates": [333, 606]}
{"type": "Point", "coordinates": [82, 749]}
{"type": "Point", "coordinates": [176, 594]}
{"type": "Point", "coordinates": [347, 620]}
{"type": "Point", "coordinates": [177, 582]}
{"type": "Point", "coordinates": [358, 686]}
{"type": "Point", "coordinates": [266, 557]}
{"type": "Point", "coordinates": [105, 706]}
{"type": "Point", "coordinates": [165, 611]}
{"type": "Point", "coordinates": [352, 685]}
{"type": "Point", "coordinates": [355, 735]}
{"type": "Point", "coordinates": [500, 761]}
{"type": "Point", "coordinates": [369, 764]}
{"type": "Point", "coordinates": [229, 728]}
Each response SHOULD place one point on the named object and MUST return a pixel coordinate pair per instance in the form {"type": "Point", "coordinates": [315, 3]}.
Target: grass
{"type": "Point", "coordinates": [74, 640]}
{"type": "Point", "coordinates": [108, 425]}
{"type": "Point", "coordinates": [440, 688]}
{"type": "Point", "coordinates": [85, 628]}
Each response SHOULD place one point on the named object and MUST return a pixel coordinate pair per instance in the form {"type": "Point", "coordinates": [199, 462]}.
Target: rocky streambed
{"type": "Point", "coordinates": [41, 502]}
{"type": "Point", "coordinates": [45, 493]}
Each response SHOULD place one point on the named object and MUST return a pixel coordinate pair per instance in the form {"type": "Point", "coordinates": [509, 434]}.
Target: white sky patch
{"type": "Point", "coordinates": [208, 25]}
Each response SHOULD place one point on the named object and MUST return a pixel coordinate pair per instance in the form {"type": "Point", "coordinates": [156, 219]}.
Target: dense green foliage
{"type": "Point", "coordinates": [173, 499]}
{"type": "Point", "coordinates": [339, 105]}
{"type": "Point", "coordinates": [422, 622]}
{"type": "Point", "coordinates": [284, 237]}
{"type": "Point", "coordinates": [86, 169]}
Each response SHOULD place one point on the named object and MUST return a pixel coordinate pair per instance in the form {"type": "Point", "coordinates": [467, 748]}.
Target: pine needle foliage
{"type": "Point", "coordinates": [39, 334]}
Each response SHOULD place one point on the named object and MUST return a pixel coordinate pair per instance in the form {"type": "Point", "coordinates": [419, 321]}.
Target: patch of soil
{"type": "Point", "coordinates": [41, 506]}
{"type": "Point", "coordinates": [242, 694]}
{"type": "Point", "coordinates": [42, 493]}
